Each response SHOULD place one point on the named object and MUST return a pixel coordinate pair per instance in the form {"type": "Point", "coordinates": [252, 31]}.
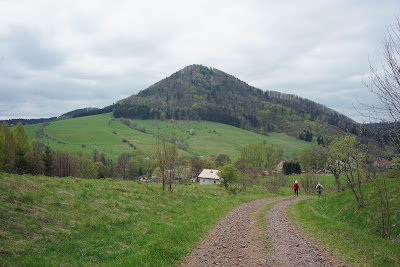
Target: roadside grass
{"type": "Point", "coordinates": [72, 221]}
{"type": "Point", "coordinates": [348, 231]}
{"type": "Point", "coordinates": [209, 139]}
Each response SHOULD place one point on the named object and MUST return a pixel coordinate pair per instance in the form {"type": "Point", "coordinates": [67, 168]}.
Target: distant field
{"type": "Point", "coordinates": [209, 137]}
{"type": "Point", "coordinates": [88, 133]}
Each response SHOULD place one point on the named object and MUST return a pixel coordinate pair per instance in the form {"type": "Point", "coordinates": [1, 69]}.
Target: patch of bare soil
{"type": "Point", "coordinates": [237, 241]}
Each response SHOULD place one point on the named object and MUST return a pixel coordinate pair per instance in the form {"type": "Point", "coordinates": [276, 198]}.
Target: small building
{"type": "Point", "coordinates": [382, 163]}
{"type": "Point", "coordinates": [279, 168]}
{"type": "Point", "coordinates": [209, 176]}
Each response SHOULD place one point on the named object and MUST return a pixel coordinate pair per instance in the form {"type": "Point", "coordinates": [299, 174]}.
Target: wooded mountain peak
{"type": "Point", "coordinates": [197, 92]}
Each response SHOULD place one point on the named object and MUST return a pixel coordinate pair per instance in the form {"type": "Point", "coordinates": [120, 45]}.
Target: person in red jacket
{"type": "Point", "coordinates": [296, 188]}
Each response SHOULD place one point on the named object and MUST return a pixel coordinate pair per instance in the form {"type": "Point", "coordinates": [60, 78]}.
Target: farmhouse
{"type": "Point", "coordinates": [208, 176]}
{"type": "Point", "coordinates": [279, 168]}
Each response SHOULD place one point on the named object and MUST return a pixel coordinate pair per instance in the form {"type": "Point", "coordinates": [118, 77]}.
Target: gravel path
{"type": "Point", "coordinates": [289, 246]}
{"type": "Point", "coordinates": [236, 240]}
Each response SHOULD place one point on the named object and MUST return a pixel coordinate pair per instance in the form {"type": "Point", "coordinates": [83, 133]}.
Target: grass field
{"type": "Point", "coordinates": [351, 232]}
{"type": "Point", "coordinates": [96, 132]}
{"type": "Point", "coordinates": [71, 221]}
{"type": "Point", "coordinates": [211, 137]}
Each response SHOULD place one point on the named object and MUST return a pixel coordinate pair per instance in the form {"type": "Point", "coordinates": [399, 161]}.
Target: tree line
{"type": "Point", "coordinates": [18, 155]}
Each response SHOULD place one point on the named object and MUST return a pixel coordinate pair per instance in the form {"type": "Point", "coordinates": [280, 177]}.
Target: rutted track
{"type": "Point", "coordinates": [289, 245]}
{"type": "Point", "coordinates": [236, 240]}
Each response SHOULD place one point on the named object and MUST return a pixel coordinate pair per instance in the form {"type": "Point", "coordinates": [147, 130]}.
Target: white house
{"type": "Point", "coordinates": [208, 176]}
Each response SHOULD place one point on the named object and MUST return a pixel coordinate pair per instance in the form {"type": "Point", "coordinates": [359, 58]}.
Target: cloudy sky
{"type": "Point", "coordinates": [57, 56]}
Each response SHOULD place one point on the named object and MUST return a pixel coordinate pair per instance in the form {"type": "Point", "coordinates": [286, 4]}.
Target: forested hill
{"type": "Point", "coordinates": [200, 93]}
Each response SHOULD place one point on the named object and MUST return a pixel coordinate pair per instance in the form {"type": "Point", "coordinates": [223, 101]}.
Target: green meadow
{"type": "Point", "coordinates": [94, 132]}
{"type": "Point", "coordinates": [47, 221]}
{"type": "Point", "coordinates": [104, 222]}
{"type": "Point", "coordinates": [105, 134]}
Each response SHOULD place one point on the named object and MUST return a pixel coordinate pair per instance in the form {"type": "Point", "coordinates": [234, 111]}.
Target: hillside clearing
{"type": "Point", "coordinates": [105, 134]}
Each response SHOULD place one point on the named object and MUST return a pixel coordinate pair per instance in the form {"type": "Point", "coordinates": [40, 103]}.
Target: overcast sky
{"type": "Point", "coordinates": [57, 56]}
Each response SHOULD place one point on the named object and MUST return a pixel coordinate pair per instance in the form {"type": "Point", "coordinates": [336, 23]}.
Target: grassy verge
{"type": "Point", "coordinates": [71, 221]}
{"type": "Point", "coordinates": [347, 230]}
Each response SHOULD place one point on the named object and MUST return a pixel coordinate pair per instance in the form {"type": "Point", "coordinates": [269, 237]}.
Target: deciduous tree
{"type": "Point", "coordinates": [35, 158]}
{"type": "Point", "coordinates": [222, 160]}
{"type": "Point", "coordinates": [261, 156]}
{"type": "Point", "coordinates": [384, 82]}
{"type": "Point", "coordinates": [345, 156]}
{"type": "Point", "coordinates": [228, 174]}
{"type": "Point", "coordinates": [8, 150]}
{"type": "Point", "coordinates": [312, 158]}
{"type": "Point", "coordinates": [166, 161]}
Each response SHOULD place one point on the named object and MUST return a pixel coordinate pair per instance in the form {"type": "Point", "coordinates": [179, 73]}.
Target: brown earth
{"type": "Point", "coordinates": [237, 240]}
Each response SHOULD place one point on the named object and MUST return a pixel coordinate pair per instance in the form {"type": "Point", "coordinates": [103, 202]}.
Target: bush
{"type": "Point", "coordinates": [309, 183]}
{"type": "Point", "coordinates": [291, 168]}
{"type": "Point", "coordinates": [274, 182]}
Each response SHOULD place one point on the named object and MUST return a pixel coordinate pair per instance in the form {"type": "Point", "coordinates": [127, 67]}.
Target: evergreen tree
{"type": "Point", "coordinates": [22, 148]}
{"type": "Point", "coordinates": [291, 168]}
{"type": "Point", "coordinates": [48, 161]}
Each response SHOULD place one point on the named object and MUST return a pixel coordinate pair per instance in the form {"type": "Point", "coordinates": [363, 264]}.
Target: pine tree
{"type": "Point", "coordinates": [22, 148]}
{"type": "Point", "coordinates": [48, 161]}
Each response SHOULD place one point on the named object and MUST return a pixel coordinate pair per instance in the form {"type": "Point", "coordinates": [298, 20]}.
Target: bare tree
{"type": "Point", "coordinates": [385, 84]}
{"type": "Point", "coordinates": [375, 171]}
{"type": "Point", "coordinates": [166, 160]}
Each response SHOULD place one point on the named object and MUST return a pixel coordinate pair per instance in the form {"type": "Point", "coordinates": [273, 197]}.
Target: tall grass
{"type": "Point", "coordinates": [71, 221]}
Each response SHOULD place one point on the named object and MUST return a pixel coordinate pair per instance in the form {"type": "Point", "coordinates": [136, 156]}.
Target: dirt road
{"type": "Point", "coordinates": [237, 240]}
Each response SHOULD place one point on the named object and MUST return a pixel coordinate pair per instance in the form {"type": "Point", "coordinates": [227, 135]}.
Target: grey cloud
{"type": "Point", "coordinates": [151, 47]}
{"type": "Point", "coordinates": [29, 47]}
{"type": "Point", "coordinates": [317, 50]}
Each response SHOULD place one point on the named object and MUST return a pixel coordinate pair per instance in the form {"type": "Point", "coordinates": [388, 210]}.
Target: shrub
{"type": "Point", "coordinates": [309, 183]}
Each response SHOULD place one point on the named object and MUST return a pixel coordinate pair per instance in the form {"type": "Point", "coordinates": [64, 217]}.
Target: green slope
{"type": "Point", "coordinates": [351, 232]}
{"type": "Point", "coordinates": [96, 132]}
{"type": "Point", "coordinates": [47, 221]}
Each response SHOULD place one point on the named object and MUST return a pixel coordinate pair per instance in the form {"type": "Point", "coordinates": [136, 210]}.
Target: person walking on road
{"type": "Point", "coordinates": [296, 188]}
{"type": "Point", "coordinates": [319, 188]}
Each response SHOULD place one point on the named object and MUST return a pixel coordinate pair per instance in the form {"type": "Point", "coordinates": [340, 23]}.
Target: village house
{"type": "Point", "coordinates": [279, 168]}
{"type": "Point", "coordinates": [209, 176]}
{"type": "Point", "coordinates": [382, 163]}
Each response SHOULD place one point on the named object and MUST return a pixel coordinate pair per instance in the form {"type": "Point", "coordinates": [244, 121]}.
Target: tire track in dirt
{"type": "Point", "coordinates": [237, 240]}
{"type": "Point", "coordinates": [289, 246]}
{"type": "Point", "coordinates": [234, 241]}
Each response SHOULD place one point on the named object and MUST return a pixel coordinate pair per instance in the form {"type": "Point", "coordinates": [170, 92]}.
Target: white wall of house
{"type": "Point", "coordinates": [205, 181]}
